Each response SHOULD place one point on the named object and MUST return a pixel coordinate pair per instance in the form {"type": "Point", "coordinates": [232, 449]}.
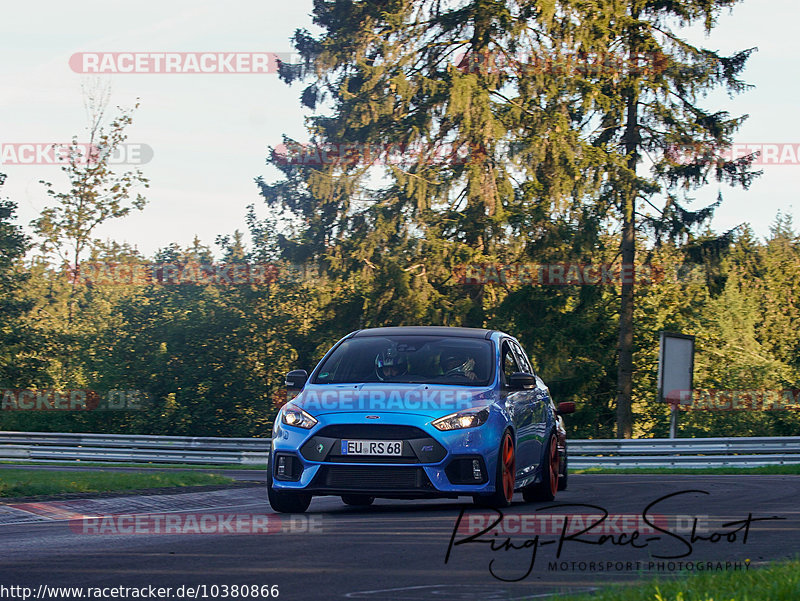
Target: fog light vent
{"type": "Point", "coordinates": [287, 467]}
{"type": "Point", "coordinates": [477, 474]}
{"type": "Point", "coordinates": [466, 470]}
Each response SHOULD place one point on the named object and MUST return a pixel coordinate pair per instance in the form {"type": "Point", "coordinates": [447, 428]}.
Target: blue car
{"type": "Point", "coordinates": [418, 412]}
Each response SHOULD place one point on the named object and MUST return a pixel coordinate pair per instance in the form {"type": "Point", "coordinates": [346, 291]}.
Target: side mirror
{"type": "Point", "coordinates": [521, 381]}
{"type": "Point", "coordinates": [296, 379]}
{"type": "Point", "coordinates": [565, 408]}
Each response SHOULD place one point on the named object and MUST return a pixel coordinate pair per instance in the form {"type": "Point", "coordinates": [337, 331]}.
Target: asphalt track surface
{"type": "Point", "coordinates": [395, 550]}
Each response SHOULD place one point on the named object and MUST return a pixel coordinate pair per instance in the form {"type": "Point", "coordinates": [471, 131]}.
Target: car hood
{"type": "Point", "coordinates": [419, 399]}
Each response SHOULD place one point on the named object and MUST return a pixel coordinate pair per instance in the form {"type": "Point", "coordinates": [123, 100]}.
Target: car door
{"type": "Point", "coordinates": [519, 404]}
{"type": "Point", "coordinates": [539, 403]}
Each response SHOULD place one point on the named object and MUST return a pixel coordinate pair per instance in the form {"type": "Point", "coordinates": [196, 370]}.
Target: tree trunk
{"type": "Point", "coordinates": [625, 347]}
{"type": "Point", "coordinates": [629, 192]}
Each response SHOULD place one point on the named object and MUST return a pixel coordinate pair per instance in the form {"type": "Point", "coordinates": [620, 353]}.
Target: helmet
{"type": "Point", "coordinates": [391, 358]}
{"type": "Point", "coordinates": [453, 362]}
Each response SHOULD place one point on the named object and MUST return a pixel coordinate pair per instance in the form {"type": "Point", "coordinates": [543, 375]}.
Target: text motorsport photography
{"type": "Point", "coordinates": [653, 541]}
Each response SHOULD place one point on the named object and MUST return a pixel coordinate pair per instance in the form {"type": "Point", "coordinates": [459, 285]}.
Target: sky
{"type": "Point", "coordinates": [209, 132]}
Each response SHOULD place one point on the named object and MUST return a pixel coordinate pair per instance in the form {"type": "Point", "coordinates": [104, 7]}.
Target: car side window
{"type": "Point", "coordinates": [510, 365]}
{"type": "Point", "coordinates": [523, 359]}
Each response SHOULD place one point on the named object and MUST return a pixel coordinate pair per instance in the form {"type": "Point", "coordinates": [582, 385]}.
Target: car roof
{"type": "Point", "coordinates": [424, 331]}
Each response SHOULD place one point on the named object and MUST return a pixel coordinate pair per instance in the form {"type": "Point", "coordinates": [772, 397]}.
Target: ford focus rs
{"type": "Point", "coordinates": [418, 412]}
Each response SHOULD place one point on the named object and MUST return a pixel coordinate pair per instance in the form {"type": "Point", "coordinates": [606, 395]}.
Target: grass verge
{"type": "Point", "coordinates": [148, 465]}
{"type": "Point", "coordinates": [776, 582]}
{"type": "Point", "coordinates": [766, 469]}
{"type": "Point", "coordinates": [28, 483]}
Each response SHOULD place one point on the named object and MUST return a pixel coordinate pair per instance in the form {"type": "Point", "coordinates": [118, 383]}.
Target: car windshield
{"type": "Point", "coordinates": [409, 359]}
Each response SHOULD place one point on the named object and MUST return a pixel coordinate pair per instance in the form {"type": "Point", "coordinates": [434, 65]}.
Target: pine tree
{"type": "Point", "coordinates": [460, 158]}
{"type": "Point", "coordinates": [648, 106]}
{"type": "Point", "coordinates": [554, 106]}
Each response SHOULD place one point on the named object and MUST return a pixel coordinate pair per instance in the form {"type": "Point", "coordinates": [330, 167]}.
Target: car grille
{"type": "Point", "coordinates": [369, 459]}
{"type": "Point", "coordinates": [372, 431]}
{"type": "Point", "coordinates": [372, 478]}
{"type": "Point", "coordinates": [418, 446]}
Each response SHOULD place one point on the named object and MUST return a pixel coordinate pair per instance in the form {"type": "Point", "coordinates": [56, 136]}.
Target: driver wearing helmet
{"type": "Point", "coordinates": [458, 363]}
{"type": "Point", "coordinates": [390, 364]}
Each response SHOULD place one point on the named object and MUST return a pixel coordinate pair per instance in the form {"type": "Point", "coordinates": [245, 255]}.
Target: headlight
{"type": "Point", "coordinates": [468, 418]}
{"type": "Point", "coordinates": [292, 415]}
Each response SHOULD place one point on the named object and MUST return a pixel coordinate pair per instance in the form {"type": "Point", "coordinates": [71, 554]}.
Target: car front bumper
{"type": "Point", "coordinates": [433, 463]}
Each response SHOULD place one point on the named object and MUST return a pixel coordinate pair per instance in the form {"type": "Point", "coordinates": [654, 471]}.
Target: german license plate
{"type": "Point", "coordinates": [372, 447]}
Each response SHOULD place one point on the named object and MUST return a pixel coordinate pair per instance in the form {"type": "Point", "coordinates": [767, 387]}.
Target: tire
{"type": "Point", "coordinates": [562, 479]}
{"type": "Point", "coordinates": [504, 479]}
{"type": "Point", "coordinates": [357, 500]}
{"type": "Point", "coordinates": [285, 501]}
{"type": "Point", "coordinates": [546, 489]}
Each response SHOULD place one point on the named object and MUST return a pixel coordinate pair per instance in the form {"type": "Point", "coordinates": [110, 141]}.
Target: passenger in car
{"type": "Point", "coordinates": [458, 363]}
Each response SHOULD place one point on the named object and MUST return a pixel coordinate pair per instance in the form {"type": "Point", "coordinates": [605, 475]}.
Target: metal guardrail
{"type": "Point", "coordinates": [133, 448]}
{"type": "Point", "coordinates": [684, 452]}
{"type": "Point", "coordinates": [583, 454]}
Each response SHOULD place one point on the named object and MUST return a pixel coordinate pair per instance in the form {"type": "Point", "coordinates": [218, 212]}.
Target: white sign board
{"type": "Point", "coordinates": [675, 366]}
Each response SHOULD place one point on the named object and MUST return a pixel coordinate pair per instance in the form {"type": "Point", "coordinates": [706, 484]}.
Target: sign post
{"type": "Point", "coordinates": [675, 372]}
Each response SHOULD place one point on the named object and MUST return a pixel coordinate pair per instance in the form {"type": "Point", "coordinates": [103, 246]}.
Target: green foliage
{"type": "Point", "coordinates": [66, 318]}
{"type": "Point", "coordinates": [96, 192]}
{"type": "Point", "coordinates": [15, 335]}
{"type": "Point", "coordinates": [25, 483]}
{"type": "Point", "coordinates": [212, 358]}
{"type": "Point", "coordinates": [775, 582]}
